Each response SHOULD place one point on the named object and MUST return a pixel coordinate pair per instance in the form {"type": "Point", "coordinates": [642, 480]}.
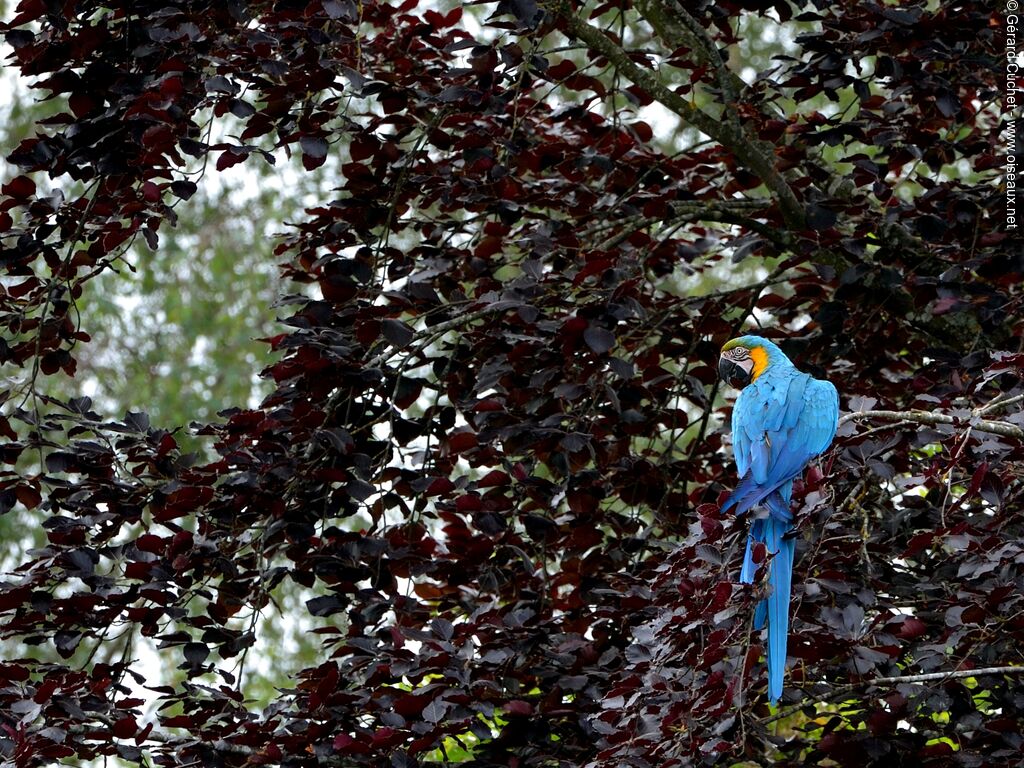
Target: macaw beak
{"type": "Point", "coordinates": [732, 374]}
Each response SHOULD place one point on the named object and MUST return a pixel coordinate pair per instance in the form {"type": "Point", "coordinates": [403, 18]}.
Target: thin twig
{"type": "Point", "coordinates": [899, 680]}
{"type": "Point", "coordinates": [998, 404]}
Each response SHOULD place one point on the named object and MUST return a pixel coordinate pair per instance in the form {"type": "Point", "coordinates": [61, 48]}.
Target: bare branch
{"type": "Point", "coordinates": [998, 404]}
{"type": "Point", "coordinates": [929, 677]}
{"type": "Point", "coordinates": [727, 211]}
{"type": "Point", "coordinates": [927, 417]}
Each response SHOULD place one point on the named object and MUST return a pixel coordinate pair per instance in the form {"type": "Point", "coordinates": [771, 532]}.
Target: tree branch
{"type": "Point", "coordinates": [927, 417]}
{"type": "Point", "coordinates": [998, 404]}
{"type": "Point", "coordinates": [711, 210]}
{"type": "Point", "coordinates": [691, 35]}
{"type": "Point", "coordinates": [687, 211]}
{"type": "Point", "coordinates": [726, 133]}
{"type": "Point", "coordinates": [900, 680]}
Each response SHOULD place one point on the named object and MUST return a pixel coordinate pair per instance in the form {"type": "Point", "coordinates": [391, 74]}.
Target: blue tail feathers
{"type": "Point", "coordinates": [780, 580]}
{"type": "Point", "coordinates": [771, 530]}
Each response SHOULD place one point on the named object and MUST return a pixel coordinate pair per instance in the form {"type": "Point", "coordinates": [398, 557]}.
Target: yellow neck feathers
{"type": "Point", "coordinates": [760, 358]}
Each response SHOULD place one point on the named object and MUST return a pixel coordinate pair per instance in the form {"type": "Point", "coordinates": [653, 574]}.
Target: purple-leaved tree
{"type": "Point", "coordinates": [493, 455]}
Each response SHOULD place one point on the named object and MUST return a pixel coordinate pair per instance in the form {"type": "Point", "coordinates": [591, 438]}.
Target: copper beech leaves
{"type": "Point", "coordinates": [489, 471]}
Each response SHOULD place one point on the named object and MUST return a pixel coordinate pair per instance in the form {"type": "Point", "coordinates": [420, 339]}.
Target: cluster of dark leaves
{"type": "Point", "coordinates": [494, 451]}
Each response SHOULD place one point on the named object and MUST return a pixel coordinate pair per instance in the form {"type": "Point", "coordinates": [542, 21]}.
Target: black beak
{"type": "Point", "coordinates": [733, 374]}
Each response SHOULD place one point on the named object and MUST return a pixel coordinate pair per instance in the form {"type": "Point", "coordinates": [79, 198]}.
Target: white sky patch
{"type": "Point", "coordinates": [200, 349]}
{"type": "Point", "coordinates": [800, 321]}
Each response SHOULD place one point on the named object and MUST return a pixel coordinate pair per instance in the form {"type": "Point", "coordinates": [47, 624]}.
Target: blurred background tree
{"type": "Point", "coordinates": [176, 331]}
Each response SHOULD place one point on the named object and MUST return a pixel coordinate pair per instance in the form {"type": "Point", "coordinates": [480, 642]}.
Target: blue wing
{"type": "Point", "coordinates": [777, 430]}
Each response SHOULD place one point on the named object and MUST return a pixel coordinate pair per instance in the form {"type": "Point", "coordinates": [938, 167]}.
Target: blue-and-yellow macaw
{"type": "Point", "coordinates": [782, 419]}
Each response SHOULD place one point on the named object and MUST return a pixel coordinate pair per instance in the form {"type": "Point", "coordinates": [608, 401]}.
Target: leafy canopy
{"type": "Point", "coordinates": [492, 455]}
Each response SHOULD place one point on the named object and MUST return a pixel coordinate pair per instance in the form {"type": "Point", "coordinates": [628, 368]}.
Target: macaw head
{"type": "Point", "coordinates": [745, 358]}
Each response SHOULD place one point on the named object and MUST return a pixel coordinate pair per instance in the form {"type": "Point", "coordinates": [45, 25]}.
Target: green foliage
{"type": "Point", "coordinates": [176, 330]}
